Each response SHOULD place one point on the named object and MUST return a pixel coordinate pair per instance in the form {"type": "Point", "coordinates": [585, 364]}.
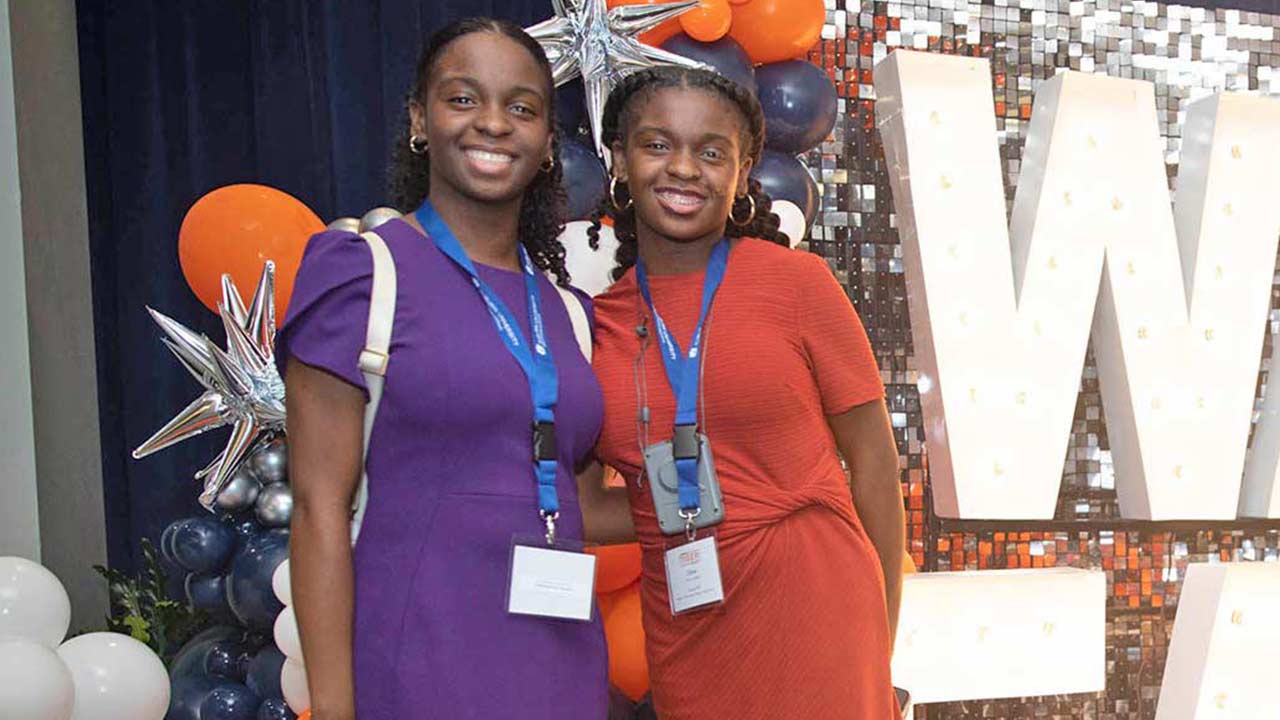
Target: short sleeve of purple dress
{"type": "Point", "coordinates": [450, 483]}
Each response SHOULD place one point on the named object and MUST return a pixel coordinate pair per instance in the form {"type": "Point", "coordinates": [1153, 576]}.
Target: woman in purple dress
{"type": "Point", "coordinates": [412, 622]}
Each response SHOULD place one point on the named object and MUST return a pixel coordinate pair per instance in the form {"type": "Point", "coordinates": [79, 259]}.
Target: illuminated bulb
{"type": "Point", "coordinates": [935, 118]}
{"type": "Point", "coordinates": [1047, 629]}
{"type": "Point", "coordinates": [1066, 198]}
{"type": "Point", "coordinates": [1235, 152]}
{"type": "Point", "coordinates": [997, 468]}
{"type": "Point", "coordinates": [1093, 144]}
{"type": "Point", "coordinates": [1116, 204]}
{"type": "Point", "coordinates": [964, 318]}
{"type": "Point", "coordinates": [1037, 328]}
{"type": "Point", "coordinates": [973, 394]}
{"type": "Point", "coordinates": [1208, 333]}
{"type": "Point", "coordinates": [1237, 617]}
{"type": "Point", "coordinates": [1128, 268]}
{"type": "Point", "coordinates": [953, 251]}
{"type": "Point", "coordinates": [1200, 402]}
{"type": "Point", "coordinates": [1220, 700]}
{"type": "Point", "coordinates": [1021, 397]}
{"type": "Point", "coordinates": [1142, 333]}
{"type": "Point", "coordinates": [1217, 272]}
{"type": "Point", "coordinates": [1053, 263]}
{"type": "Point", "coordinates": [1155, 403]}
{"type": "Point", "coordinates": [1177, 471]}
{"type": "Point", "coordinates": [1227, 209]}
{"type": "Point", "coordinates": [946, 183]}
{"type": "Point", "coordinates": [982, 633]}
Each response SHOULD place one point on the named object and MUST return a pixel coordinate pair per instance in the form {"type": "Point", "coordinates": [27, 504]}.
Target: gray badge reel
{"type": "Point", "coordinates": [664, 483]}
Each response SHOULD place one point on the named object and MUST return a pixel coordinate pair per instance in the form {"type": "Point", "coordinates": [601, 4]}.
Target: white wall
{"type": "Point", "coordinates": [19, 523]}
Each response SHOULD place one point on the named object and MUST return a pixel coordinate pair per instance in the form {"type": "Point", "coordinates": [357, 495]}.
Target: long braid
{"type": "Point", "coordinates": [542, 209]}
{"type": "Point", "coordinates": [618, 115]}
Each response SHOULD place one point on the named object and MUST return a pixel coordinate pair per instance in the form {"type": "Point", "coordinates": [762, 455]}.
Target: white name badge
{"type": "Point", "coordinates": [551, 583]}
{"type": "Point", "coordinates": [693, 576]}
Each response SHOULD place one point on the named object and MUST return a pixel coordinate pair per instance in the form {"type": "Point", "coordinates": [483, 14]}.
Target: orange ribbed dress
{"type": "Point", "coordinates": [803, 631]}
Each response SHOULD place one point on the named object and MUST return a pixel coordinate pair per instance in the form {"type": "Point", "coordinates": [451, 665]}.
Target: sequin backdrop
{"type": "Point", "coordinates": [1187, 52]}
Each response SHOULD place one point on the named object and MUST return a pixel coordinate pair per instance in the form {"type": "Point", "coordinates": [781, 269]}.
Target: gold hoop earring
{"type": "Point", "coordinates": [548, 164]}
{"type": "Point", "coordinates": [750, 217]}
{"type": "Point", "coordinates": [613, 196]}
{"type": "Point", "coordinates": [417, 145]}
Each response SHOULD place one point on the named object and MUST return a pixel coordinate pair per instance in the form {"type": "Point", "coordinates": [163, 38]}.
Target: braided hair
{"type": "Point", "coordinates": [619, 114]}
{"type": "Point", "coordinates": [542, 209]}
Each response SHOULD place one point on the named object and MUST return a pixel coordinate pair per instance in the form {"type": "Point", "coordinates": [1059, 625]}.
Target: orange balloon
{"type": "Point", "coordinates": [236, 229]}
{"type": "Point", "coordinates": [775, 30]}
{"type": "Point", "coordinates": [617, 566]}
{"type": "Point", "coordinates": [908, 565]}
{"type": "Point", "coordinates": [306, 715]}
{"type": "Point", "coordinates": [709, 21]}
{"type": "Point", "coordinates": [628, 667]}
{"type": "Point", "coordinates": [657, 35]}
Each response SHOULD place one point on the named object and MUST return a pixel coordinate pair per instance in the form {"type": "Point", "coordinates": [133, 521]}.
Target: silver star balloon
{"type": "Point", "coordinates": [242, 387]}
{"type": "Point", "coordinates": [586, 38]}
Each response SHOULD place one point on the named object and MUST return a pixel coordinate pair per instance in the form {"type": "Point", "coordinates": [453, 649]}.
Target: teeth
{"type": "Point", "coordinates": [681, 199]}
{"type": "Point", "coordinates": [484, 156]}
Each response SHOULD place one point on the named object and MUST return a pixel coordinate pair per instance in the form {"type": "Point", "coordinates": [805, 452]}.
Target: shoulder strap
{"type": "Point", "coordinates": [577, 317]}
{"type": "Point", "coordinates": [374, 357]}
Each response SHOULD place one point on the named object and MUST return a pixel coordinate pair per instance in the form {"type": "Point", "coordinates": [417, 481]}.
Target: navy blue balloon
{"type": "Point", "coordinates": [230, 701]}
{"type": "Point", "coordinates": [227, 660]}
{"type": "Point", "coordinates": [249, 580]}
{"type": "Point", "coordinates": [725, 55]}
{"type": "Point", "coordinates": [203, 544]}
{"type": "Point", "coordinates": [245, 527]}
{"type": "Point", "coordinates": [209, 593]}
{"type": "Point", "coordinates": [570, 106]}
{"type": "Point", "coordinates": [275, 709]}
{"type": "Point", "coordinates": [263, 676]}
{"type": "Point", "coordinates": [175, 580]}
{"type": "Point", "coordinates": [585, 178]}
{"type": "Point", "coordinates": [799, 104]}
{"type": "Point", "coordinates": [166, 539]}
{"type": "Point", "coordinates": [188, 682]}
{"type": "Point", "coordinates": [783, 177]}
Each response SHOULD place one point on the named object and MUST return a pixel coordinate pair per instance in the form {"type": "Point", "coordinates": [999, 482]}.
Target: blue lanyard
{"type": "Point", "coordinates": [683, 375]}
{"type": "Point", "coordinates": [538, 366]}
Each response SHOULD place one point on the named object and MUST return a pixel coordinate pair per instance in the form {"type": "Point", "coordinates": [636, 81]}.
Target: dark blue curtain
{"type": "Point", "coordinates": [181, 97]}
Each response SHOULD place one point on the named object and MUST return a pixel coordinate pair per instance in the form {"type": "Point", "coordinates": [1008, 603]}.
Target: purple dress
{"type": "Point", "coordinates": [450, 481]}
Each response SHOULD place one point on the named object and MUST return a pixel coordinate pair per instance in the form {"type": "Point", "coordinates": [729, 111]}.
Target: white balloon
{"type": "Point", "coordinates": [591, 270]}
{"type": "Point", "coordinates": [286, 634]}
{"type": "Point", "coordinates": [280, 583]}
{"type": "Point", "coordinates": [33, 603]}
{"type": "Point", "coordinates": [792, 220]}
{"type": "Point", "coordinates": [293, 683]}
{"type": "Point", "coordinates": [34, 682]}
{"type": "Point", "coordinates": [116, 678]}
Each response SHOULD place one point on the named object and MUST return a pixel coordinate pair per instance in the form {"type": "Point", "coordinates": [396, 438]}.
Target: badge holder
{"type": "Point", "coordinates": [693, 570]}
{"type": "Point", "coordinates": [551, 577]}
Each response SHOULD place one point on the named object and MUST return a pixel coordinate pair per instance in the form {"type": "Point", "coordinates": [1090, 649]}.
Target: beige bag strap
{"type": "Point", "coordinates": [374, 358]}
{"type": "Point", "coordinates": [577, 317]}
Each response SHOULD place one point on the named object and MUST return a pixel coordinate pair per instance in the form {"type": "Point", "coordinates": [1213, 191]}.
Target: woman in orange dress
{"type": "Point", "coordinates": [810, 568]}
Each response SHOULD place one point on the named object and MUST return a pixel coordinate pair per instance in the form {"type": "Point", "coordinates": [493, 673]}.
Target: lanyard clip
{"type": "Point", "coordinates": [550, 520]}
{"type": "Point", "coordinates": [684, 443]}
{"type": "Point", "coordinates": [690, 531]}
{"type": "Point", "coordinates": [544, 441]}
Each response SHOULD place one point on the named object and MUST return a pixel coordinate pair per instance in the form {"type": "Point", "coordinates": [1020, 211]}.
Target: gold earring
{"type": "Point", "coordinates": [750, 217]}
{"type": "Point", "coordinates": [417, 145]}
{"type": "Point", "coordinates": [549, 163]}
{"type": "Point", "coordinates": [613, 196]}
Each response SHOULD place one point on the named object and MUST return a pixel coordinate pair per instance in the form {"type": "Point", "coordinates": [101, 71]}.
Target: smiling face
{"type": "Point", "coordinates": [486, 116]}
{"type": "Point", "coordinates": [682, 159]}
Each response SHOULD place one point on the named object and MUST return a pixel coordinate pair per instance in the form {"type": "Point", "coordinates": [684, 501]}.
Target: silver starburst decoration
{"type": "Point", "coordinates": [243, 389]}
{"type": "Point", "coordinates": [586, 38]}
